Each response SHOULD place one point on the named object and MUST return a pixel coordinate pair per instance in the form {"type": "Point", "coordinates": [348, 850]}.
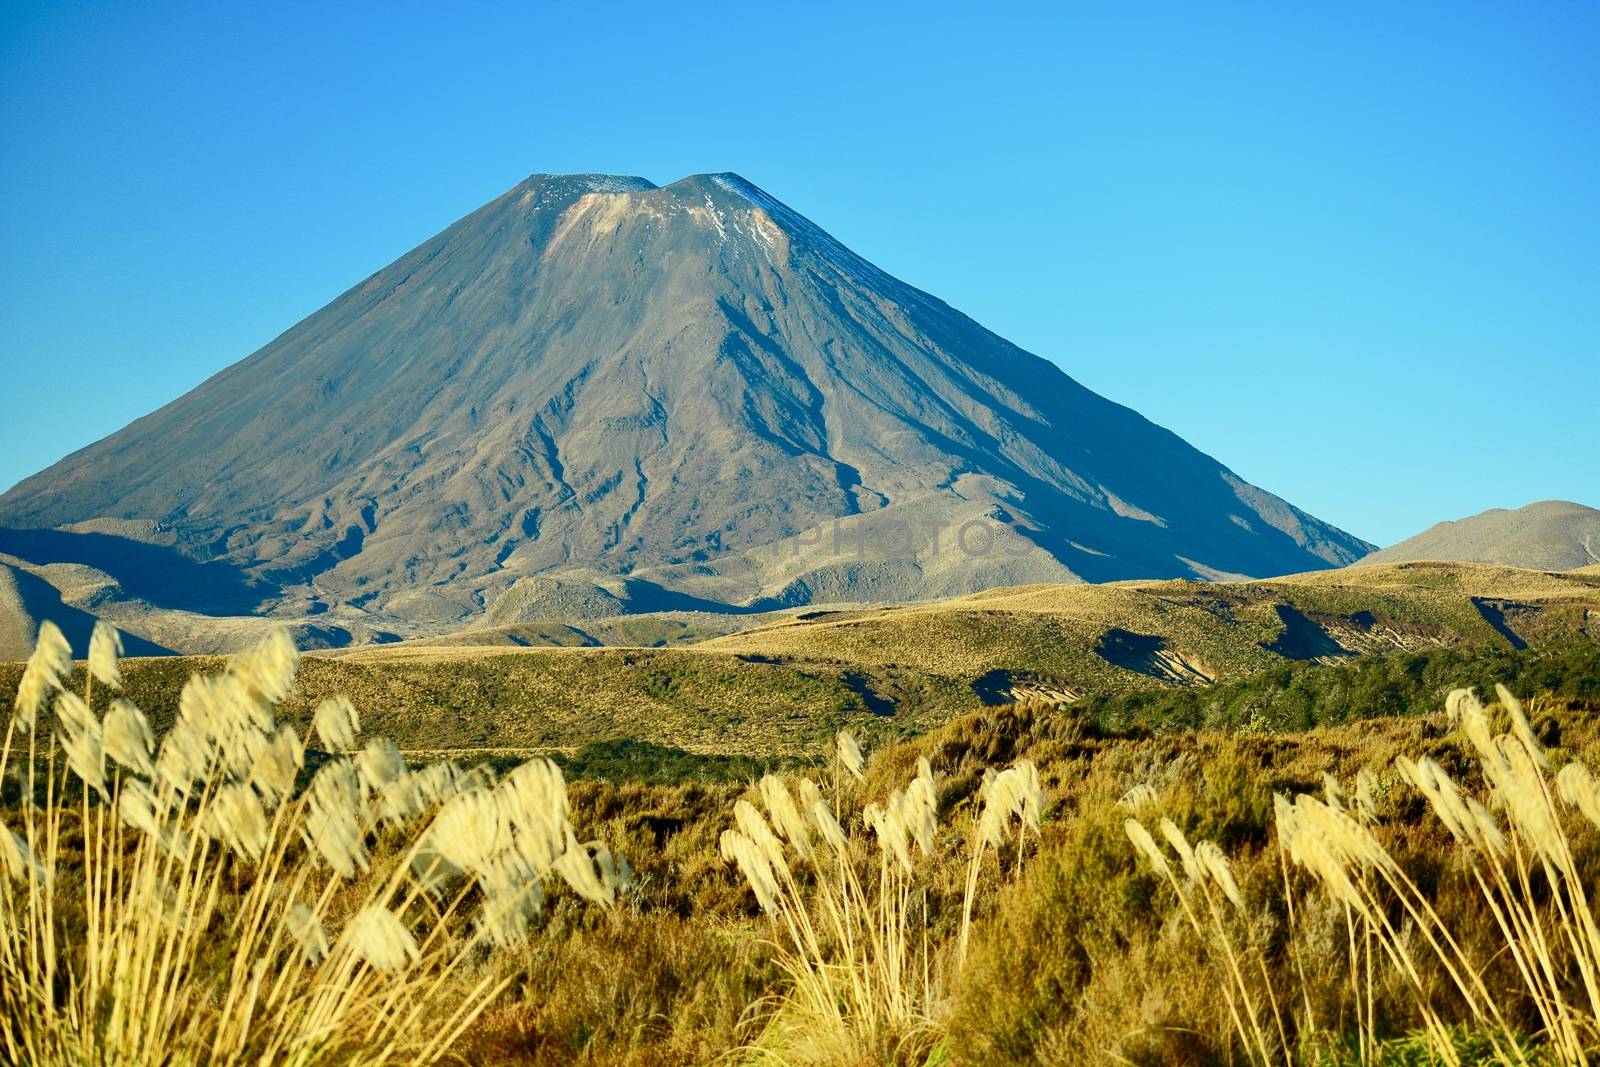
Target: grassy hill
{"type": "Point", "coordinates": [782, 687]}
{"type": "Point", "coordinates": [1554, 535]}
{"type": "Point", "coordinates": [1144, 635]}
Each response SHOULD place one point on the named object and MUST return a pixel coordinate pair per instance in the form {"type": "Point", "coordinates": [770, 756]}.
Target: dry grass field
{"type": "Point", "coordinates": [1312, 858]}
{"type": "Point", "coordinates": [780, 689]}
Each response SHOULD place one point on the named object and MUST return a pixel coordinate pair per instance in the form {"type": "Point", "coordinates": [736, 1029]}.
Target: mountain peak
{"type": "Point", "coordinates": [557, 191]}
{"type": "Point", "coordinates": [686, 396]}
{"type": "Point", "coordinates": [1549, 535]}
{"type": "Point", "coordinates": [589, 183]}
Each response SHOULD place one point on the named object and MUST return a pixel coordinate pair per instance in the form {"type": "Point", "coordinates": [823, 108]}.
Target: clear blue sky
{"type": "Point", "coordinates": [1351, 250]}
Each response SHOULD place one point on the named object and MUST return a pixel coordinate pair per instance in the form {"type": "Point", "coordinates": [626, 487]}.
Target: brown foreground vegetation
{"type": "Point", "coordinates": [1224, 937]}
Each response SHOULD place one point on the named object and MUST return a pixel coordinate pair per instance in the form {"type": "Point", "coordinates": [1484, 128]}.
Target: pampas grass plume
{"type": "Point", "coordinates": [81, 740]}
{"type": "Point", "coordinates": [47, 666]}
{"type": "Point", "coordinates": [470, 830]}
{"type": "Point", "coordinates": [105, 645]}
{"type": "Point", "coordinates": [376, 937]}
{"type": "Point", "coordinates": [128, 739]}
{"type": "Point", "coordinates": [17, 859]}
{"type": "Point", "coordinates": [336, 723]}
{"type": "Point", "coordinates": [850, 756]}
{"type": "Point", "coordinates": [332, 819]}
{"type": "Point", "coordinates": [305, 930]}
{"type": "Point", "coordinates": [1146, 846]}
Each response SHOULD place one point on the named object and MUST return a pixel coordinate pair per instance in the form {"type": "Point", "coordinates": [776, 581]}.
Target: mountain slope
{"type": "Point", "coordinates": [1552, 535]}
{"type": "Point", "coordinates": [676, 398]}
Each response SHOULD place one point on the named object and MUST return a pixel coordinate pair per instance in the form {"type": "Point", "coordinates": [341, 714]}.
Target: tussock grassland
{"type": "Point", "coordinates": [1024, 884]}
{"type": "Point", "coordinates": [1225, 629]}
{"type": "Point", "coordinates": [782, 690]}
{"type": "Point", "coordinates": [536, 700]}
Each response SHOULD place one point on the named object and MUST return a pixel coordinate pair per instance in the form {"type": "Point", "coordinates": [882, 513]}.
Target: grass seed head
{"type": "Point", "coordinates": [378, 763]}
{"type": "Point", "coordinates": [336, 724]}
{"type": "Point", "coordinates": [1577, 788]}
{"type": "Point", "coordinates": [82, 740]}
{"type": "Point", "coordinates": [184, 756]}
{"type": "Point", "coordinates": [752, 862]}
{"type": "Point", "coordinates": [137, 806]}
{"type": "Point", "coordinates": [921, 807]}
{"type": "Point", "coordinates": [47, 666]}
{"type": "Point", "coordinates": [1527, 806]}
{"type": "Point", "coordinates": [1366, 798]}
{"type": "Point", "coordinates": [432, 871]}
{"type": "Point", "coordinates": [512, 896]}
{"type": "Point", "coordinates": [1146, 846]}
{"type": "Point", "coordinates": [755, 828]}
{"type": "Point", "coordinates": [1332, 791]}
{"type": "Point", "coordinates": [1215, 865]}
{"type": "Point", "coordinates": [128, 738]}
{"type": "Point", "coordinates": [1489, 837]}
{"type": "Point", "coordinates": [105, 646]}
{"type": "Point", "coordinates": [17, 859]}
{"type": "Point", "coordinates": [1318, 838]}
{"type": "Point", "coordinates": [438, 782]}
{"type": "Point", "coordinates": [1013, 793]}
{"type": "Point", "coordinates": [589, 877]}
{"type": "Point", "coordinates": [828, 827]}
{"type": "Point", "coordinates": [1137, 797]}
{"type": "Point", "coordinates": [888, 823]}
{"type": "Point", "coordinates": [470, 830]}
{"type": "Point", "coordinates": [305, 930]}
{"type": "Point", "coordinates": [235, 817]}
{"type": "Point", "coordinates": [333, 819]}
{"type": "Point", "coordinates": [277, 765]}
{"type": "Point", "coordinates": [850, 756]}
{"type": "Point", "coordinates": [267, 670]}
{"type": "Point", "coordinates": [1440, 790]}
{"type": "Point", "coordinates": [785, 814]}
{"type": "Point", "coordinates": [1520, 727]}
{"type": "Point", "coordinates": [1469, 713]}
{"type": "Point", "coordinates": [533, 802]}
{"type": "Point", "coordinates": [1180, 845]}
{"type": "Point", "coordinates": [378, 938]}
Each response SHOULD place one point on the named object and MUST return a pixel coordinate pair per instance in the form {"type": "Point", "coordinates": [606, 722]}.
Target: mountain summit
{"type": "Point", "coordinates": [1550, 535]}
{"type": "Point", "coordinates": [594, 394]}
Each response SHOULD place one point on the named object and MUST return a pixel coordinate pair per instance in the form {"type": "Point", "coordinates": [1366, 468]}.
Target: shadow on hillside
{"type": "Point", "coordinates": [41, 602]}
{"type": "Point", "coordinates": [1303, 638]}
{"type": "Point", "coordinates": [161, 575]}
{"type": "Point", "coordinates": [644, 597]}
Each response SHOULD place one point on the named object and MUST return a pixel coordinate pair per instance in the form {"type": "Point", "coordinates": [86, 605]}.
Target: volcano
{"type": "Point", "coordinates": [594, 395]}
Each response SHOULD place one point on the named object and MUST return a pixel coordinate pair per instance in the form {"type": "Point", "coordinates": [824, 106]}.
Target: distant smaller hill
{"type": "Point", "coordinates": [1552, 535]}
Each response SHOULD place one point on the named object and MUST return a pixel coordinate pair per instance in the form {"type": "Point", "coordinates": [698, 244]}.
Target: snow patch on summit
{"type": "Point", "coordinates": [824, 245]}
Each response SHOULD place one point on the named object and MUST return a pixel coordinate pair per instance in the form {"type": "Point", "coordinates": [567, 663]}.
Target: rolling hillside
{"type": "Point", "coordinates": [783, 686]}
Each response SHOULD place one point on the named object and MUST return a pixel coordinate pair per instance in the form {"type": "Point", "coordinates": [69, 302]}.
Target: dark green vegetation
{"type": "Point", "coordinates": [626, 760]}
{"type": "Point", "coordinates": [1299, 696]}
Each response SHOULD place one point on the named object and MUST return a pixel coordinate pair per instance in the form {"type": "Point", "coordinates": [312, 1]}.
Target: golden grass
{"type": "Point", "coordinates": [1226, 628]}
{"type": "Point", "coordinates": [879, 910]}
{"type": "Point", "coordinates": [217, 911]}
